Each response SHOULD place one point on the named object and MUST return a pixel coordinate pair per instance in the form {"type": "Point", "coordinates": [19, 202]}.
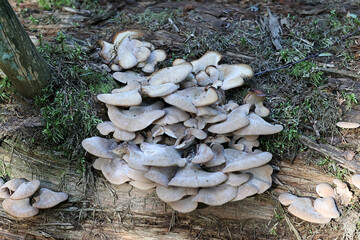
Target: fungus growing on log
{"type": "Point", "coordinates": [23, 200]}
{"type": "Point", "coordinates": [182, 129]}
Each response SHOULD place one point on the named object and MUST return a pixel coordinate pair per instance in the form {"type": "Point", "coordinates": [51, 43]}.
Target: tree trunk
{"type": "Point", "coordinates": [19, 60]}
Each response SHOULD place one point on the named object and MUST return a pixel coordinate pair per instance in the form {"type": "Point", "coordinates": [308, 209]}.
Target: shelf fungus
{"type": "Point", "coordinates": [184, 138]}
{"type": "Point", "coordinates": [23, 199]}
{"type": "Point", "coordinates": [320, 210]}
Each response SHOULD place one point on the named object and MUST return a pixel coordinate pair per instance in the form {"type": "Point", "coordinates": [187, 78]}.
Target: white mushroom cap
{"type": "Point", "coordinates": [19, 208]}
{"type": "Point", "coordinates": [348, 125]}
{"type": "Point", "coordinates": [99, 162]}
{"type": "Point", "coordinates": [238, 161]}
{"type": "Point", "coordinates": [138, 175]}
{"type": "Point", "coordinates": [136, 158]}
{"type": "Point", "coordinates": [105, 127]}
{"type": "Point", "coordinates": [4, 193]}
{"type": "Point", "coordinates": [120, 36]}
{"type": "Point", "coordinates": [219, 157]}
{"type": "Point", "coordinates": [107, 51]}
{"type": "Point", "coordinates": [210, 58]}
{"type": "Point", "coordinates": [237, 119]}
{"type": "Point", "coordinates": [262, 173]}
{"type": "Point", "coordinates": [98, 146]}
{"type": "Point", "coordinates": [116, 171]}
{"type": "Point", "coordinates": [133, 121]}
{"type": "Point", "coordinates": [172, 115]}
{"type": "Point", "coordinates": [248, 145]}
{"type": "Point", "coordinates": [191, 123]}
{"type": "Point", "coordinates": [182, 102]}
{"type": "Point", "coordinates": [124, 99]}
{"type": "Point", "coordinates": [13, 184]}
{"type": "Point", "coordinates": [326, 207]}
{"type": "Point", "coordinates": [161, 175]}
{"type": "Point", "coordinates": [25, 190]}
{"type": "Point", "coordinates": [287, 198]}
{"type": "Point", "coordinates": [141, 53]}
{"type": "Point", "coordinates": [303, 209]}
{"type": "Point", "coordinates": [174, 74]}
{"type": "Point", "coordinates": [215, 196]}
{"type": "Point", "coordinates": [190, 176]}
{"type": "Point", "coordinates": [236, 179]}
{"type": "Point", "coordinates": [343, 192]}
{"type": "Point", "coordinates": [178, 61]}
{"type": "Point", "coordinates": [325, 190]}
{"type": "Point", "coordinates": [49, 199]}
{"type": "Point", "coordinates": [155, 57]}
{"type": "Point", "coordinates": [142, 185]}
{"type": "Point", "coordinates": [161, 155]}
{"type": "Point", "coordinates": [131, 86]}
{"type": "Point", "coordinates": [233, 75]}
{"type": "Point", "coordinates": [256, 97]}
{"type": "Point", "coordinates": [258, 126]}
{"type": "Point", "coordinates": [170, 194]}
{"type": "Point", "coordinates": [159, 90]}
{"type": "Point", "coordinates": [115, 67]}
{"type": "Point", "coordinates": [125, 57]}
{"type": "Point", "coordinates": [184, 205]}
{"type": "Point", "coordinates": [129, 76]}
{"type": "Point", "coordinates": [207, 111]}
{"type": "Point", "coordinates": [203, 155]}
{"type": "Point", "coordinates": [245, 190]}
{"type": "Point", "coordinates": [356, 180]}
{"type": "Point", "coordinates": [175, 130]}
{"type": "Point", "coordinates": [207, 98]}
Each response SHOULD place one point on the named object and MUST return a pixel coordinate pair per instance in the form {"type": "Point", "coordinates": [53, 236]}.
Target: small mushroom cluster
{"type": "Point", "coordinates": [323, 209]}
{"type": "Point", "coordinates": [126, 52]}
{"type": "Point", "coordinates": [172, 131]}
{"type": "Point", "coordinates": [23, 199]}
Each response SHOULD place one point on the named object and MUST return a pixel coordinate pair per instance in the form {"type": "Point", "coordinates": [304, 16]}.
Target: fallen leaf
{"type": "Point", "coordinates": [349, 155]}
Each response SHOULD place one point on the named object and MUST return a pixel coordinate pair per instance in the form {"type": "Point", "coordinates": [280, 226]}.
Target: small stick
{"type": "Point", "coordinates": [174, 25]}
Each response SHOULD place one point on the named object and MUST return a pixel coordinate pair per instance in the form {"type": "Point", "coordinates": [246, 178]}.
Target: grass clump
{"type": "Point", "coordinates": [67, 104]}
{"type": "Point", "coordinates": [156, 21]}
{"type": "Point", "coordinates": [50, 4]}
{"type": "Point", "coordinates": [5, 87]}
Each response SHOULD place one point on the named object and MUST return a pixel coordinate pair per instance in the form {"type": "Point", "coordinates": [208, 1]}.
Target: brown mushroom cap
{"type": "Point", "coordinates": [326, 207]}
{"type": "Point", "coordinates": [19, 208]}
{"type": "Point", "coordinates": [49, 199]}
{"type": "Point", "coordinates": [133, 33]}
{"type": "Point", "coordinates": [25, 190]}
{"type": "Point", "coordinates": [215, 196]}
{"type": "Point", "coordinates": [190, 176]}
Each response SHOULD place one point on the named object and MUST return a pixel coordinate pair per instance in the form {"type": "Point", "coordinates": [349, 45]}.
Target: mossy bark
{"type": "Point", "coordinates": [19, 60]}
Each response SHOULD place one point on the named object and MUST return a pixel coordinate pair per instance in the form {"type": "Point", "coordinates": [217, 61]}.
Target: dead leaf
{"type": "Point", "coordinates": [273, 27]}
{"type": "Point", "coordinates": [349, 155]}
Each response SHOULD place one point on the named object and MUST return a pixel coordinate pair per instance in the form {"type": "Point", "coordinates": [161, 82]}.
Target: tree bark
{"type": "Point", "coordinates": [19, 60]}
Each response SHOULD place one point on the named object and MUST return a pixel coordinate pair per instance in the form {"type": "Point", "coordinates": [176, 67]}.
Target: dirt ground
{"type": "Point", "coordinates": [308, 99]}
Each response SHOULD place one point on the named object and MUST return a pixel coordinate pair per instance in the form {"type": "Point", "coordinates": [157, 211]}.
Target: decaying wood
{"type": "Point", "coordinates": [331, 152]}
{"type": "Point", "coordinates": [99, 210]}
{"type": "Point", "coordinates": [340, 72]}
{"type": "Point", "coordinates": [19, 60]}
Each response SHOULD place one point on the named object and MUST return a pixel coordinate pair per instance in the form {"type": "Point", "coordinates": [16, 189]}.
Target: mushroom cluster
{"type": "Point", "coordinates": [173, 131]}
{"type": "Point", "coordinates": [23, 199]}
{"type": "Point", "coordinates": [323, 209]}
{"type": "Point", "coordinates": [126, 52]}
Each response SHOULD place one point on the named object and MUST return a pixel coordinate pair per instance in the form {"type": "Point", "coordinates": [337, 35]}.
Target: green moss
{"type": "Point", "coordinates": [5, 89]}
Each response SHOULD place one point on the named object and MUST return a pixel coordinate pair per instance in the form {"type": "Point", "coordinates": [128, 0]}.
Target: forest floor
{"type": "Point", "coordinates": [308, 98]}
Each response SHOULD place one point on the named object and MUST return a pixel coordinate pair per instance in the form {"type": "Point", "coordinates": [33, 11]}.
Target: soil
{"type": "Point", "coordinates": [240, 31]}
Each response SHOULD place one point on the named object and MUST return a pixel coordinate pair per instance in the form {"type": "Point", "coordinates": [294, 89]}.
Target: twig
{"type": "Point", "coordinates": [310, 56]}
{"type": "Point", "coordinates": [331, 152]}
{"type": "Point", "coordinates": [174, 25]}
{"type": "Point", "coordinates": [340, 72]}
